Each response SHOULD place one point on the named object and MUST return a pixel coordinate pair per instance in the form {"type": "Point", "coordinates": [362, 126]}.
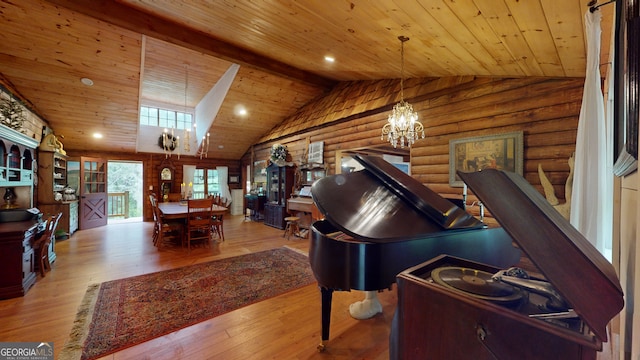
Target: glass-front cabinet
{"type": "Point", "coordinates": [280, 183]}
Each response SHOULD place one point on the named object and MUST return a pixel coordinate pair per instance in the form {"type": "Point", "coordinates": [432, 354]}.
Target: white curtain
{"type": "Point", "coordinates": [592, 197]}
{"type": "Point", "coordinates": [223, 178]}
{"type": "Point", "coordinates": [187, 175]}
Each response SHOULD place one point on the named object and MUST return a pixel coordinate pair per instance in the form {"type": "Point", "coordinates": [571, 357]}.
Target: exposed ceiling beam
{"type": "Point", "coordinates": [134, 20]}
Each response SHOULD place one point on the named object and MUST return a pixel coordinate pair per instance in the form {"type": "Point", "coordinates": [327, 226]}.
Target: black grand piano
{"type": "Point", "coordinates": [380, 221]}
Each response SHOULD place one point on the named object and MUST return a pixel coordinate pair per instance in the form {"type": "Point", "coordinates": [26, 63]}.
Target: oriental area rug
{"type": "Point", "coordinates": [118, 314]}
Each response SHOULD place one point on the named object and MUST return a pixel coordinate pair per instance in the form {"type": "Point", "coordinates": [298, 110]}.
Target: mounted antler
{"type": "Point", "coordinates": [549, 193]}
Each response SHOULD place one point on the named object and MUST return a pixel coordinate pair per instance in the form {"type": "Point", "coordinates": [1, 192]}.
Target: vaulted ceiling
{"type": "Point", "coordinates": [173, 53]}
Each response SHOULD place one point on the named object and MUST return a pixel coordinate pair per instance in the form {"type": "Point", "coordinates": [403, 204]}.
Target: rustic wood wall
{"type": "Point", "coordinates": [546, 110]}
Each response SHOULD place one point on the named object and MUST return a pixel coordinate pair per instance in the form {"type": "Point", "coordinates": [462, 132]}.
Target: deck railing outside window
{"type": "Point", "coordinates": [118, 205]}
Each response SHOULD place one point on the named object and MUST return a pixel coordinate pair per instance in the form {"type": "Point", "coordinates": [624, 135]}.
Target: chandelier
{"type": "Point", "coordinates": [403, 125]}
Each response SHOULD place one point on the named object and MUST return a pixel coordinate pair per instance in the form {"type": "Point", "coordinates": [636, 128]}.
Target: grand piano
{"type": "Point", "coordinates": [380, 221]}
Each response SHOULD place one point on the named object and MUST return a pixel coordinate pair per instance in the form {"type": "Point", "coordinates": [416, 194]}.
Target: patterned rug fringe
{"type": "Point", "coordinates": [73, 348]}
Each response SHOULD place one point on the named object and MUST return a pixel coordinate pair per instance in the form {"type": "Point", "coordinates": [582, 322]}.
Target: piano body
{"type": "Point", "coordinates": [454, 308]}
{"type": "Point", "coordinates": [380, 221]}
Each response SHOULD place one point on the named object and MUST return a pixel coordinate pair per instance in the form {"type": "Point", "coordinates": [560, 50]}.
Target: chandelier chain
{"type": "Point", "coordinates": [402, 40]}
{"type": "Point", "coordinates": [187, 132]}
{"type": "Point", "coordinates": [186, 86]}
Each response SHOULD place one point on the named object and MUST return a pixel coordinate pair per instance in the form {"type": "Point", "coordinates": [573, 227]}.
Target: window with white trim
{"type": "Point", "coordinates": [205, 183]}
{"type": "Point", "coordinates": [164, 118]}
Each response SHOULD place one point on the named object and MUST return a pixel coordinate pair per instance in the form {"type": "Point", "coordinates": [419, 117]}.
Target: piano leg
{"type": "Point", "coordinates": [327, 296]}
{"type": "Point", "coordinates": [366, 308]}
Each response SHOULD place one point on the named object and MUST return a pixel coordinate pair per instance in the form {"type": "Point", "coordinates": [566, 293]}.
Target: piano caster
{"type": "Point", "coordinates": [321, 347]}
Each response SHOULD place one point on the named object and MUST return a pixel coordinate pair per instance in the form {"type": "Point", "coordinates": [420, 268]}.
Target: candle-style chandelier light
{"type": "Point", "coordinates": [403, 125]}
{"type": "Point", "coordinates": [204, 147]}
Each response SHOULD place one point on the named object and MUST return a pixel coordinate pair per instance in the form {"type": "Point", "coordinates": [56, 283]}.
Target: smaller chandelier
{"type": "Point", "coordinates": [403, 125]}
{"type": "Point", "coordinates": [204, 147]}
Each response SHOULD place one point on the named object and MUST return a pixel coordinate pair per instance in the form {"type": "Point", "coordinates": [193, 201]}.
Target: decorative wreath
{"type": "Point", "coordinates": [170, 142]}
{"type": "Point", "coordinates": [278, 153]}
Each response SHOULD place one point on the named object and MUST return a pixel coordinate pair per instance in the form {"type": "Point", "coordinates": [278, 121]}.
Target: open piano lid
{"type": "Point", "coordinates": [585, 279]}
{"type": "Point", "coordinates": [383, 204]}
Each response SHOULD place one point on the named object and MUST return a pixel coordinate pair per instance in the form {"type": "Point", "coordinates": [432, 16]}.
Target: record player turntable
{"type": "Point", "coordinates": [453, 308]}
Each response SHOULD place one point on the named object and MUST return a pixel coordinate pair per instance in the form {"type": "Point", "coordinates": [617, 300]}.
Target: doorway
{"type": "Point", "coordinates": [126, 191]}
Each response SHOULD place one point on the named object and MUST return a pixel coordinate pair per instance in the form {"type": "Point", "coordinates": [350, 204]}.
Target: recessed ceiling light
{"type": "Point", "coordinates": [97, 135]}
{"type": "Point", "coordinates": [329, 58]}
{"type": "Point", "coordinates": [220, 146]}
{"type": "Point", "coordinates": [240, 110]}
{"type": "Point", "coordinates": [86, 81]}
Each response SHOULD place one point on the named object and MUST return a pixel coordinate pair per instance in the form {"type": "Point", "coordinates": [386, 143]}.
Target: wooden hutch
{"type": "Point", "coordinates": [17, 232]}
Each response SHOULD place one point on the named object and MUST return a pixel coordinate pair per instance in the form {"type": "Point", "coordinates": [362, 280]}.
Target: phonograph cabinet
{"type": "Point", "coordinates": [452, 308]}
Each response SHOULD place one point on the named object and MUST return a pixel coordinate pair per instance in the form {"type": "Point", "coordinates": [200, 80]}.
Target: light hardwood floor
{"type": "Point", "coordinates": [284, 327]}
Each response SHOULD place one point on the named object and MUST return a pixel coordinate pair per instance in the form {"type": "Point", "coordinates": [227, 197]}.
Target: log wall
{"type": "Point", "coordinates": [546, 110]}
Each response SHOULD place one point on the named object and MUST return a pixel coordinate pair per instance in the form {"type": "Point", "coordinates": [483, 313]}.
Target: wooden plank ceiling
{"type": "Point", "coordinates": [145, 51]}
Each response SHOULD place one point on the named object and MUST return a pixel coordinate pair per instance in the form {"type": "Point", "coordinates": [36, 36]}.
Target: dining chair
{"type": "Point", "coordinates": [217, 225]}
{"type": "Point", "coordinates": [156, 224]}
{"type": "Point", "coordinates": [173, 197]}
{"type": "Point", "coordinates": [41, 245]}
{"type": "Point", "coordinates": [165, 230]}
{"type": "Point", "coordinates": [199, 221]}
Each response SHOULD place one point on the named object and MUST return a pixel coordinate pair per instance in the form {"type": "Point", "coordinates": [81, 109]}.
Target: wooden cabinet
{"type": "Point", "coordinates": [255, 203]}
{"type": "Point", "coordinates": [274, 215]}
{"type": "Point", "coordinates": [280, 182]}
{"type": "Point", "coordinates": [17, 267]}
{"type": "Point", "coordinates": [69, 221]}
{"type": "Point", "coordinates": [52, 180]}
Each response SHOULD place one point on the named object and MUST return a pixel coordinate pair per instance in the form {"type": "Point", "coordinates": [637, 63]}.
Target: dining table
{"type": "Point", "coordinates": [179, 209]}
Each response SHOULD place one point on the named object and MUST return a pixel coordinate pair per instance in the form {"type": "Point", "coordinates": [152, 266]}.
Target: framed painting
{"type": "Point", "coordinates": [315, 152]}
{"type": "Point", "coordinates": [260, 171]}
{"type": "Point", "coordinates": [503, 151]}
